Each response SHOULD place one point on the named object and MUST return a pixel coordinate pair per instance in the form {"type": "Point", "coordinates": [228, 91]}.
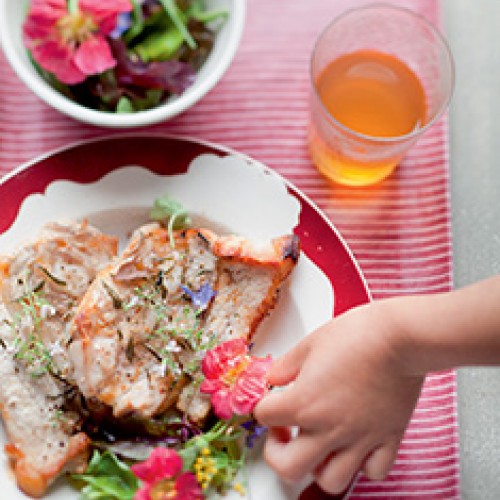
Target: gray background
{"type": "Point", "coordinates": [473, 30]}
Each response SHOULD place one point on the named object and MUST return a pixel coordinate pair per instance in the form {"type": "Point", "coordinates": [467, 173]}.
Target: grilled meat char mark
{"type": "Point", "coordinates": [39, 288]}
{"type": "Point", "coordinates": [138, 338]}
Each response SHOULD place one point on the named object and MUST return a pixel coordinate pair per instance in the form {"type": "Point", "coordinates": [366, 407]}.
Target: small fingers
{"type": "Point", "coordinates": [336, 474]}
{"type": "Point", "coordinates": [278, 408]}
{"type": "Point", "coordinates": [294, 458]}
{"type": "Point", "coordinates": [379, 462]}
{"type": "Point", "coordinates": [285, 369]}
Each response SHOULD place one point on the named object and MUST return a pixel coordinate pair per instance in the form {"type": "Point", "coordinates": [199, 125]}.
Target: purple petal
{"type": "Point", "coordinates": [202, 297]}
{"type": "Point", "coordinates": [123, 23]}
{"type": "Point", "coordinates": [255, 431]}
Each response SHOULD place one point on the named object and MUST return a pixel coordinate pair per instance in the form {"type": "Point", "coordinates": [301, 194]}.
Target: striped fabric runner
{"type": "Point", "coordinates": [399, 231]}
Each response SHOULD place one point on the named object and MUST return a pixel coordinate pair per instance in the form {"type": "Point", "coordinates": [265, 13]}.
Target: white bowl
{"type": "Point", "coordinates": [12, 14]}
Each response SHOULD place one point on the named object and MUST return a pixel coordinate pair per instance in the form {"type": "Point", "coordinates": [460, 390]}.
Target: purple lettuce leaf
{"type": "Point", "coordinates": [171, 76]}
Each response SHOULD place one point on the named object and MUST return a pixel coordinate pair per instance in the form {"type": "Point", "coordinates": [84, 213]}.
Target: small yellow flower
{"type": "Point", "coordinates": [205, 452]}
{"type": "Point", "coordinates": [239, 488]}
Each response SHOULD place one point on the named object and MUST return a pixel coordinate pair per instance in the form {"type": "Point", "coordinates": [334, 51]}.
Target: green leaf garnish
{"type": "Point", "coordinates": [172, 213]}
{"type": "Point", "coordinates": [107, 477]}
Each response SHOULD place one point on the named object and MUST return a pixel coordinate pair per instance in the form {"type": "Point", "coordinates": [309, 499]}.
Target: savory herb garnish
{"type": "Point", "coordinates": [172, 213]}
{"type": "Point", "coordinates": [117, 301]}
{"type": "Point", "coordinates": [28, 346]}
{"type": "Point", "coordinates": [176, 328]}
{"type": "Point", "coordinates": [52, 277]}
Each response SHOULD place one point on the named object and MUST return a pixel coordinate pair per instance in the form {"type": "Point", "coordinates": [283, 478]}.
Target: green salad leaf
{"type": "Point", "coordinates": [107, 478]}
{"type": "Point", "coordinates": [197, 11]}
{"type": "Point", "coordinates": [177, 19]}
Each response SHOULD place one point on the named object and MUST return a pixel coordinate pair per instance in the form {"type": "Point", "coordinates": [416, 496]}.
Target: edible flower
{"type": "Point", "coordinates": [68, 38]}
{"type": "Point", "coordinates": [235, 379]}
{"type": "Point", "coordinates": [163, 479]}
{"type": "Point", "coordinates": [201, 298]}
{"type": "Point", "coordinates": [255, 432]}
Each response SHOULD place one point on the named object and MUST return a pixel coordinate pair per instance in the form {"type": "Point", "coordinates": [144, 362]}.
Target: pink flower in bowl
{"type": "Point", "coordinates": [236, 380]}
{"type": "Point", "coordinates": [68, 40]}
{"type": "Point", "coordinates": [163, 478]}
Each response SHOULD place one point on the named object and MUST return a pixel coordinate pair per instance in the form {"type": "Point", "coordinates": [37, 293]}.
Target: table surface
{"type": "Point", "coordinates": [472, 30]}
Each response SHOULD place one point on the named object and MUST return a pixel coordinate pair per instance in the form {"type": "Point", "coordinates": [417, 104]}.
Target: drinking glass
{"type": "Point", "coordinates": [353, 157]}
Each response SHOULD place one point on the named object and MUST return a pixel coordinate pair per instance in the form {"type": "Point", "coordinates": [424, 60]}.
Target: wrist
{"type": "Point", "coordinates": [407, 334]}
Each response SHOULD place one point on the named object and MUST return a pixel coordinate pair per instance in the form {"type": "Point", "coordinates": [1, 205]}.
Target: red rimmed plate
{"type": "Point", "coordinates": [113, 181]}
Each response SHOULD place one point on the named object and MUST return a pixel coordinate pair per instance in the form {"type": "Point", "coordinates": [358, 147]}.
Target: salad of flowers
{"type": "Point", "coordinates": [120, 56]}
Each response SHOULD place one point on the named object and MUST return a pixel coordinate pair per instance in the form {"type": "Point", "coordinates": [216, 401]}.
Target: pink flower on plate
{"type": "Point", "coordinates": [68, 39]}
{"type": "Point", "coordinates": [163, 478]}
{"type": "Point", "coordinates": [236, 380]}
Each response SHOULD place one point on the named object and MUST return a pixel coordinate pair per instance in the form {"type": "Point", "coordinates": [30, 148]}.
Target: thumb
{"type": "Point", "coordinates": [285, 369]}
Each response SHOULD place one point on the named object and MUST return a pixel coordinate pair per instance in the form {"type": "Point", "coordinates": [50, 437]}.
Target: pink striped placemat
{"type": "Point", "coordinates": [399, 230]}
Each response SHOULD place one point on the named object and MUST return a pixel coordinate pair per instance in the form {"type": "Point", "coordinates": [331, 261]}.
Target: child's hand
{"type": "Point", "coordinates": [349, 395]}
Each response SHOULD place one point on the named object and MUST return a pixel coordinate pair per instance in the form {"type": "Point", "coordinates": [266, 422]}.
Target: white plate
{"type": "Point", "coordinates": [228, 192]}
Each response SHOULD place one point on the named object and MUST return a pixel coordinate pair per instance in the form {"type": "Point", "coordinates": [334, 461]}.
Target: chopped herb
{"type": "Point", "coordinates": [117, 301]}
{"type": "Point", "coordinates": [39, 287]}
{"type": "Point", "coordinates": [129, 350]}
{"type": "Point", "coordinates": [153, 352]}
{"type": "Point", "coordinates": [55, 279]}
{"type": "Point", "coordinates": [30, 348]}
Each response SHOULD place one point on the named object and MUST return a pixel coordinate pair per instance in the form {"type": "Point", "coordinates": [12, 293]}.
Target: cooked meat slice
{"type": "Point", "coordinates": [135, 320]}
{"type": "Point", "coordinates": [39, 289]}
{"type": "Point", "coordinates": [249, 278]}
{"type": "Point", "coordinates": [144, 324]}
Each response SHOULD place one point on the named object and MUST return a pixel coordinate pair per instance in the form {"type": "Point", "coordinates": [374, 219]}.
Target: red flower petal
{"type": "Point", "coordinates": [41, 19]}
{"type": "Point", "coordinates": [143, 493]}
{"type": "Point", "coordinates": [221, 402]}
{"type": "Point", "coordinates": [163, 463]}
{"type": "Point", "coordinates": [102, 10]}
{"type": "Point", "coordinates": [218, 360]}
{"type": "Point", "coordinates": [58, 59]}
{"type": "Point", "coordinates": [48, 9]}
{"type": "Point", "coordinates": [35, 29]}
{"type": "Point", "coordinates": [209, 386]}
{"type": "Point", "coordinates": [250, 387]}
{"type": "Point", "coordinates": [108, 24]}
{"type": "Point", "coordinates": [94, 56]}
{"type": "Point", "coordinates": [187, 487]}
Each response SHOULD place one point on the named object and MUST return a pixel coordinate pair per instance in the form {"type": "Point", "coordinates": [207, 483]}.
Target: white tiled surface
{"type": "Point", "coordinates": [473, 29]}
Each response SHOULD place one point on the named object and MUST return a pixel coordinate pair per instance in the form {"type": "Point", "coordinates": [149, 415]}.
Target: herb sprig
{"type": "Point", "coordinates": [172, 213]}
{"type": "Point", "coordinates": [30, 348]}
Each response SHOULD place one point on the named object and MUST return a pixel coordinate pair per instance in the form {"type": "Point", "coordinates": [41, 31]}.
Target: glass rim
{"type": "Point", "coordinates": [385, 139]}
